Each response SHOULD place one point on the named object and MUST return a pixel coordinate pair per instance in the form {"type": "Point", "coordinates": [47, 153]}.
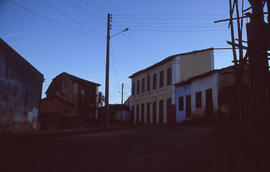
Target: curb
{"type": "Point", "coordinates": [6, 137]}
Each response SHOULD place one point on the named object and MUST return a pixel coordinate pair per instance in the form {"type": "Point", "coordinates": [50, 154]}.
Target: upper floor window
{"type": "Point", "coordinates": [148, 83]}
{"type": "Point", "coordinates": [143, 85]}
{"type": "Point", "coordinates": [138, 87]}
{"type": "Point", "coordinates": [133, 88]}
{"type": "Point", "coordinates": [198, 99]}
{"type": "Point", "coordinates": [82, 93]}
{"type": "Point", "coordinates": [161, 79]}
{"type": "Point", "coordinates": [155, 81]}
{"type": "Point", "coordinates": [169, 76]}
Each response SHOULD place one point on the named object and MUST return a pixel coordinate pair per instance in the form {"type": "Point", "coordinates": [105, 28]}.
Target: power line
{"type": "Point", "coordinates": [106, 11]}
{"type": "Point", "coordinates": [71, 18]}
{"type": "Point", "coordinates": [156, 30]}
{"type": "Point", "coordinates": [83, 11]}
{"type": "Point", "coordinates": [165, 26]}
{"type": "Point", "coordinates": [154, 15]}
{"type": "Point", "coordinates": [92, 7]}
{"type": "Point", "coordinates": [51, 20]}
{"type": "Point", "coordinates": [85, 8]}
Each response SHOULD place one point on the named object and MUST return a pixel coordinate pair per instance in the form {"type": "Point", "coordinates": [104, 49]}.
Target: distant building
{"type": "Point", "coordinates": [69, 96]}
{"type": "Point", "coordinates": [119, 113]}
{"type": "Point", "coordinates": [20, 91]}
{"type": "Point", "coordinates": [153, 89]}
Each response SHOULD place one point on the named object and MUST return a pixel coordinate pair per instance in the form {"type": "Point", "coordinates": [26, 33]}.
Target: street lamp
{"type": "Point", "coordinates": [107, 67]}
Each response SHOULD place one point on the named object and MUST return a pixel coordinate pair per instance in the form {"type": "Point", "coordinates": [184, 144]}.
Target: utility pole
{"type": "Point", "coordinates": [257, 50]}
{"type": "Point", "coordinates": [122, 95]}
{"type": "Point", "coordinates": [107, 72]}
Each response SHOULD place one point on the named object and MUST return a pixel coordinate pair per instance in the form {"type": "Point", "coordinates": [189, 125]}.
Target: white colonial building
{"type": "Point", "coordinates": [153, 89]}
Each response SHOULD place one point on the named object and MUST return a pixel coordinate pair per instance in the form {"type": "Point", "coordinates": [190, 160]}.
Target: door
{"type": "Point", "coordinates": [169, 110]}
{"type": "Point", "coordinates": [209, 109]}
{"type": "Point", "coordinates": [188, 106]}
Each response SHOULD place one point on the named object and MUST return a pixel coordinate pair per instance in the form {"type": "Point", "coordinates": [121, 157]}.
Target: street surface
{"type": "Point", "coordinates": [153, 148]}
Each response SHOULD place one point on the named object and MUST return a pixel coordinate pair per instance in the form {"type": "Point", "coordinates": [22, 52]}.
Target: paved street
{"type": "Point", "coordinates": [159, 148]}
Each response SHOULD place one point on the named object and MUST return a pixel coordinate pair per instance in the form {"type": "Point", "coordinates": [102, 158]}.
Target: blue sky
{"type": "Point", "coordinates": [69, 35]}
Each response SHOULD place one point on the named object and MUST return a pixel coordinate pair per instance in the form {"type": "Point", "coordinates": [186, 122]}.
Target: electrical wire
{"type": "Point", "coordinates": [71, 18]}
{"type": "Point", "coordinates": [83, 11]}
{"type": "Point", "coordinates": [86, 9]}
{"type": "Point", "coordinates": [51, 20]}
{"type": "Point", "coordinates": [106, 11]}
{"type": "Point", "coordinates": [92, 8]}
{"type": "Point", "coordinates": [156, 30]}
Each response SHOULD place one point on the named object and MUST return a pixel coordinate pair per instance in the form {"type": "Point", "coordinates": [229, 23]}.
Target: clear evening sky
{"type": "Point", "coordinates": [70, 35]}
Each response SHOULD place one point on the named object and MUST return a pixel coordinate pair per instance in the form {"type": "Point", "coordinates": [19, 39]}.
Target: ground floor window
{"type": "Point", "coordinates": [161, 111]}
{"type": "Point", "coordinates": [137, 113]}
{"type": "Point", "coordinates": [142, 113]}
{"type": "Point", "coordinates": [169, 110]}
{"type": "Point", "coordinates": [154, 112]}
{"type": "Point", "coordinates": [148, 112]}
{"type": "Point", "coordinates": [133, 114]}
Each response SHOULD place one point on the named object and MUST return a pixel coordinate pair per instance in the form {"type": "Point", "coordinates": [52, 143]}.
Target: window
{"type": "Point", "coordinates": [133, 88]}
{"type": "Point", "coordinates": [161, 111]}
{"type": "Point", "coordinates": [155, 81]}
{"type": "Point", "coordinates": [154, 112]}
{"type": "Point", "coordinates": [181, 103]}
{"type": "Point", "coordinates": [143, 85]}
{"type": "Point", "coordinates": [138, 87]}
{"type": "Point", "coordinates": [148, 83]}
{"type": "Point", "coordinates": [169, 76]}
{"type": "Point", "coordinates": [198, 99]}
{"type": "Point", "coordinates": [169, 110]}
{"type": "Point", "coordinates": [142, 113]}
{"type": "Point", "coordinates": [161, 79]}
{"type": "Point", "coordinates": [132, 116]}
{"type": "Point", "coordinates": [82, 93]}
{"type": "Point", "coordinates": [148, 112]}
{"type": "Point", "coordinates": [137, 113]}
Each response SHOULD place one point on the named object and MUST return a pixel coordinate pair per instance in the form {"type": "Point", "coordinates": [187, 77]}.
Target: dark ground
{"type": "Point", "coordinates": [153, 148]}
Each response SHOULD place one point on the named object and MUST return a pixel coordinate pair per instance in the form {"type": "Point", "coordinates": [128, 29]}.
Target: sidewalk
{"type": "Point", "coordinates": [6, 136]}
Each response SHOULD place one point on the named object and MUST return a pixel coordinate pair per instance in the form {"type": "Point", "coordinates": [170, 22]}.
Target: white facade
{"type": "Point", "coordinates": [206, 88]}
{"type": "Point", "coordinates": [153, 102]}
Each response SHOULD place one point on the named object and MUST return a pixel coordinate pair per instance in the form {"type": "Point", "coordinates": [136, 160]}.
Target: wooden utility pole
{"type": "Point", "coordinates": [122, 94]}
{"type": "Point", "coordinates": [107, 71]}
{"type": "Point", "coordinates": [257, 50]}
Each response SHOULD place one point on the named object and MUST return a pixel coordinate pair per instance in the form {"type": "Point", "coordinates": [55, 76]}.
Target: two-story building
{"type": "Point", "coordinates": [70, 97]}
{"type": "Point", "coordinates": [153, 88]}
{"type": "Point", "coordinates": [20, 91]}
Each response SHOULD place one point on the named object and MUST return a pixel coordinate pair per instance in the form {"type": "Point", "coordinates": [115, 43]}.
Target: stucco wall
{"type": "Point", "coordinates": [153, 95]}
{"type": "Point", "coordinates": [197, 85]}
{"type": "Point", "coordinates": [184, 66]}
{"type": "Point", "coordinates": [202, 85]}
{"type": "Point", "coordinates": [20, 92]}
{"type": "Point", "coordinates": [195, 64]}
{"type": "Point", "coordinates": [182, 91]}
